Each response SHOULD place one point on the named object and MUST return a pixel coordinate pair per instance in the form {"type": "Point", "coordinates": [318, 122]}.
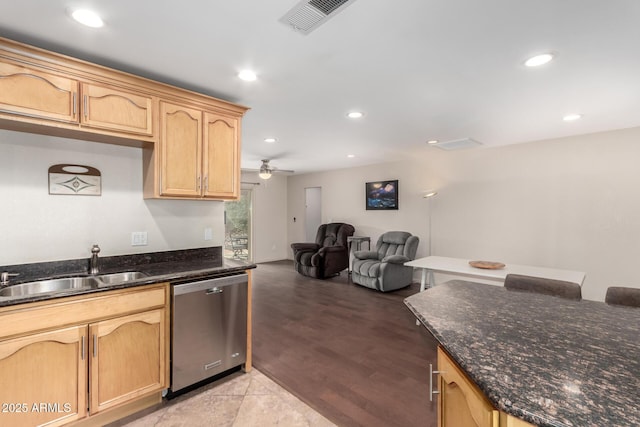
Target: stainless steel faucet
{"type": "Point", "coordinates": [93, 263]}
{"type": "Point", "coordinates": [4, 278]}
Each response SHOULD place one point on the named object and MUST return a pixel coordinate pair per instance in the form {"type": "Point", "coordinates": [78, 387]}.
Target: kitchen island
{"type": "Point", "coordinates": [542, 359]}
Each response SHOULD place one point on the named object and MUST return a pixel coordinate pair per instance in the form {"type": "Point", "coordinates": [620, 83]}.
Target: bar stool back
{"type": "Point", "coordinates": [558, 288]}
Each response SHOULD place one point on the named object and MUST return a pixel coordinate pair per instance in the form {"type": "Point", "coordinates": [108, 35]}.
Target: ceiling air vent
{"type": "Point", "coordinates": [458, 144]}
{"type": "Point", "coordinates": [308, 15]}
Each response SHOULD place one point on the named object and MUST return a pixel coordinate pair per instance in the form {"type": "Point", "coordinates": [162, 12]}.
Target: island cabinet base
{"type": "Point", "coordinates": [462, 404]}
{"type": "Point", "coordinates": [507, 420]}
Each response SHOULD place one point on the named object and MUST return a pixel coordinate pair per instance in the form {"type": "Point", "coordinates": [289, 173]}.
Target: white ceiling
{"type": "Point", "coordinates": [418, 69]}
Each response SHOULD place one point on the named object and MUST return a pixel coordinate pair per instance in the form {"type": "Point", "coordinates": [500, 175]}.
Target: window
{"type": "Point", "coordinates": [237, 227]}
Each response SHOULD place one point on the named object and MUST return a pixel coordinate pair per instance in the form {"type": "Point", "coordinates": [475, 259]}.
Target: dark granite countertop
{"type": "Point", "coordinates": [547, 360]}
{"type": "Point", "coordinates": [166, 266]}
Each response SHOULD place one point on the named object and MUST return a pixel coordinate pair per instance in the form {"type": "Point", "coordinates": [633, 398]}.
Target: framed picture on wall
{"type": "Point", "coordinates": [381, 195]}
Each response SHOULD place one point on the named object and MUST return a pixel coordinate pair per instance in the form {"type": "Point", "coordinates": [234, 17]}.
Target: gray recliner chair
{"type": "Point", "coordinates": [384, 269]}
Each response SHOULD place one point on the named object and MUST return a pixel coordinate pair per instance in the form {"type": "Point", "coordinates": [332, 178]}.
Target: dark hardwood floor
{"type": "Point", "coordinates": [353, 354]}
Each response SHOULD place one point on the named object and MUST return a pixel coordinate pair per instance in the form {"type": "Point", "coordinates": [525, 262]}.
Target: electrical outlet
{"type": "Point", "coordinates": [208, 234]}
{"type": "Point", "coordinates": [138, 238]}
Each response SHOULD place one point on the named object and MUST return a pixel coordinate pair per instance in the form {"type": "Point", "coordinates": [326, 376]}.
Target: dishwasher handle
{"type": "Point", "coordinates": [209, 285]}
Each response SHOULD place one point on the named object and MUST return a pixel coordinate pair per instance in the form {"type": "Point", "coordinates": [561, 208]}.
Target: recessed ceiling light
{"type": "Point", "coordinates": [270, 140]}
{"type": "Point", "coordinates": [572, 117]}
{"type": "Point", "coordinates": [536, 61]}
{"type": "Point", "coordinates": [355, 114]}
{"type": "Point", "coordinates": [432, 141]}
{"type": "Point", "coordinates": [351, 156]}
{"type": "Point", "coordinates": [247, 75]}
{"type": "Point", "coordinates": [87, 17]}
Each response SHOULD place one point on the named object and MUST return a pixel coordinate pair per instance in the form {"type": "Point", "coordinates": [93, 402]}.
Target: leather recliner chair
{"type": "Point", "coordinates": [328, 256]}
{"type": "Point", "coordinates": [384, 269]}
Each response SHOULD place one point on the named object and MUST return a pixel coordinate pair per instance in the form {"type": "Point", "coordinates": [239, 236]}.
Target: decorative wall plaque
{"type": "Point", "coordinates": [75, 180]}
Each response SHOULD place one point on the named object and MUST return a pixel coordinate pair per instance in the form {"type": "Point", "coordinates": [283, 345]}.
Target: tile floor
{"type": "Point", "coordinates": [239, 400]}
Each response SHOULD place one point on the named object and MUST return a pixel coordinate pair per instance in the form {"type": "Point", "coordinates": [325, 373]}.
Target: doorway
{"type": "Point", "coordinates": [237, 227]}
{"type": "Point", "coordinates": [312, 212]}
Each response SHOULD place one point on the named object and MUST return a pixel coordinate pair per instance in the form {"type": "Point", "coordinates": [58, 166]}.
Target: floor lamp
{"type": "Point", "coordinates": [429, 195]}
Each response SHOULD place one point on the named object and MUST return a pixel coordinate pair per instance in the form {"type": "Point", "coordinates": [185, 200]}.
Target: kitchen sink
{"type": "Point", "coordinates": [68, 283]}
{"type": "Point", "coordinates": [120, 277]}
{"type": "Point", "coordinates": [49, 286]}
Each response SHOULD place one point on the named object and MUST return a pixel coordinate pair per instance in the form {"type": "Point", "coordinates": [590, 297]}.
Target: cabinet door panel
{"type": "Point", "coordinates": [116, 110]}
{"type": "Point", "coordinates": [460, 402]}
{"type": "Point", "coordinates": [221, 157]}
{"type": "Point", "coordinates": [180, 141]}
{"type": "Point", "coordinates": [46, 374]}
{"type": "Point", "coordinates": [128, 358]}
{"type": "Point", "coordinates": [510, 421]}
{"type": "Point", "coordinates": [37, 94]}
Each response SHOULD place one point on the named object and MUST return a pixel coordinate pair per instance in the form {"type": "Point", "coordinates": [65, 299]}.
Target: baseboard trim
{"type": "Point", "coordinates": [120, 412]}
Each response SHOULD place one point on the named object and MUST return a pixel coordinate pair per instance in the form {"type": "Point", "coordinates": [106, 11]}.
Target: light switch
{"type": "Point", "coordinates": [139, 238]}
{"type": "Point", "coordinates": [208, 234]}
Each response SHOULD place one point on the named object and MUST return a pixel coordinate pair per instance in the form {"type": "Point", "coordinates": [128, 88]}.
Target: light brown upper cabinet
{"type": "Point", "coordinates": [180, 151]}
{"type": "Point", "coordinates": [40, 97]}
{"type": "Point", "coordinates": [221, 157]}
{"type": "Point", "coordinates": [116, 110]}
{"type": "Point", "coordinates": [35, 94]}
{"type": "Point", "coordinates": [31, 93]}
{"type": "Point", "coordinates": [191, 141]}
{"type": "Point", "coordinates": [197, 155]}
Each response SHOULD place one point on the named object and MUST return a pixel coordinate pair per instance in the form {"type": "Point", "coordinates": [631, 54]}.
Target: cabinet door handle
{"type": "Point", "coordinates": [215, 290]}
{"type": "Point", "coordinates": [199, 182]}
{"type": "Point", "coordinates": [86, 106]}
{"type": "Point", "coordinates": [75, 106]}
{"type": "Point", "coordinates": [431, 374]}
{"type": "Point", "coordinates": [206, 183]}
{"type": "Point", "coordinates": [83, 347]}
{"type": "Point", "coordinates": [95, 345]}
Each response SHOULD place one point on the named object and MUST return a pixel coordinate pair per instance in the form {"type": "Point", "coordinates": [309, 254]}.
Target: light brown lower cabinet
{"type": "Point", "coordinates": [462, 404]}
{"type": "Point", "coordinates": [44, 378]}
{"type": "Point", "coordinates": [113, 357]}
{"type": "Point", "coordinates": [126, 360]}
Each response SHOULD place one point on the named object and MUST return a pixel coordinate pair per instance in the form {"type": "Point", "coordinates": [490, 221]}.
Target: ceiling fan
{"type": "Point", "coordinates": [266, 170]}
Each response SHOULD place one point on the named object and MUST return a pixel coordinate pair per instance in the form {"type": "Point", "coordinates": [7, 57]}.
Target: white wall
{"type": "Point", "coordinates": [269, 216]}
{"type": "Point", "coordinates": [36, 226]}
{"type": "Point", "coordinates": [570, 203]}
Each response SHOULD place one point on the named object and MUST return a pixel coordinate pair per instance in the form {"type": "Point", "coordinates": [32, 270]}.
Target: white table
{"type": "Point", "coordinates": [461, 267]}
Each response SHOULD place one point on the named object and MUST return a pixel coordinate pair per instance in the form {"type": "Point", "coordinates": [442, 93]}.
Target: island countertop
{"type": "Point", "coordinates": [547, 360]}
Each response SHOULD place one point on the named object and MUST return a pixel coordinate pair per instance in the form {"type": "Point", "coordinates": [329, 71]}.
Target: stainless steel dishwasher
{"type": "Point", "coordinates": [208, 328]}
